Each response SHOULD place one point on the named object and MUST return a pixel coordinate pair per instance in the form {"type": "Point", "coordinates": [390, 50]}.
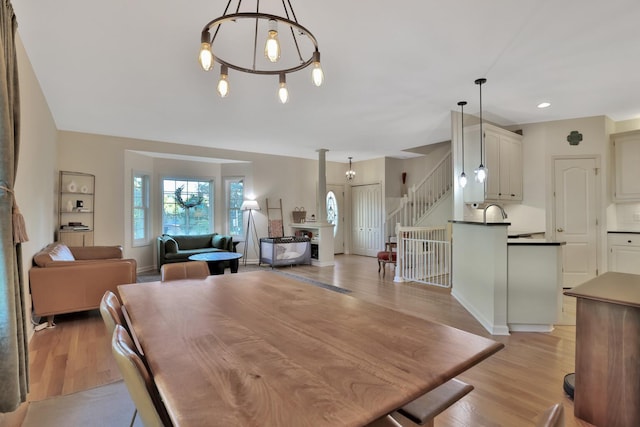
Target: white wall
{"type": "Point", "coordinates": [37, 177]}
{"type": "Point", "coordinates": [112, 160]}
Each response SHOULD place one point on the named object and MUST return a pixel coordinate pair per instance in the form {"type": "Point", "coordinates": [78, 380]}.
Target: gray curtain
{"type": "Point", "coordinates": [14, 363]}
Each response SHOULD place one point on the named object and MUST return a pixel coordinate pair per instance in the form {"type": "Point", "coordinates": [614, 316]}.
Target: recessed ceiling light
{"type": "Point", "coordinates": [544, 105]}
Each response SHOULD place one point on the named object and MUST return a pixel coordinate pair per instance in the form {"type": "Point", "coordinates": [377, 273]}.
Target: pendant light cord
{"type": "Point", "coordinates": [481, 133]}
{"type": "Point", "coordinates": [462, 104]}
{"type": "Point", "coordinates": [480, 82]}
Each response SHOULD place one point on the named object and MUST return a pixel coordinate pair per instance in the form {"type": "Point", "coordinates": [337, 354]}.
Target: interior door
{"type": "Point", "coordinates": [366, 219]}
{"type": "Point", "coordinates": [575, 184]}
{"type": "Point", "coordinates": [335, 215]}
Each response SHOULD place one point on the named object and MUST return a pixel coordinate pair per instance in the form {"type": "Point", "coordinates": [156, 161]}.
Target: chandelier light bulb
{"type": "Point", "coordinates": [272, 46]}
{"type": "Point", "coordinates": [317, 74]}
{"type": "Point", "coordinates": [283, 92]}
{"type": "Point", "coordinates": [223, 83]}
{"type": "Point", "coordinates": [206, 57]}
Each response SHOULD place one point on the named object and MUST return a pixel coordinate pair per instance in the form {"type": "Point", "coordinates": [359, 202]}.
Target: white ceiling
{"type": "Point", "coordinates": [394, 70]}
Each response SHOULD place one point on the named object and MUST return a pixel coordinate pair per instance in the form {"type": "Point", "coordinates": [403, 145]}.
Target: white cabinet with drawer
{"type": "Point", "coordinates": [624, 252]}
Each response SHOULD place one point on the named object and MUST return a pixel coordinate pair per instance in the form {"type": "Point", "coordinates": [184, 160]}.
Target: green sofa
{"type": "Point", "coordinates": [177, 248]}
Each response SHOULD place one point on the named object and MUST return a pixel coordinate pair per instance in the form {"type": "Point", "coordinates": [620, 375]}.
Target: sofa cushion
{"type": "Point", "coordinates": [194, 242]}
{"type": "Point", "coordinates": [219, 241]}
{"type": "Point", "coordinates": [170, 245]}
{"type": "Point", "coordinates": [53, 252]}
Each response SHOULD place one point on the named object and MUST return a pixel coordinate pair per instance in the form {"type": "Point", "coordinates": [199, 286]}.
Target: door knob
{"type": "Point", "coordinates": [559, 230]}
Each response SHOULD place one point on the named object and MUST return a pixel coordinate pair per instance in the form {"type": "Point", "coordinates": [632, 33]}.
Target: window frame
{"type": "Point", "coordinates": [199, 179]}
{"type": "Point", "coordinates": [228, 208]}
{"type": "Point", "coordinates": [146, 187]}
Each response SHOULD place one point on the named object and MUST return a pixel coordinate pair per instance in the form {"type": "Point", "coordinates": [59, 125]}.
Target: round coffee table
{"type": "Point", "coordinates": [216, 260]}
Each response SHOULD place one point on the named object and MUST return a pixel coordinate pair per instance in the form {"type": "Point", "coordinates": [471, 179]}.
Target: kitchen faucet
{"type": "Point", "coordinates": [484, 214]}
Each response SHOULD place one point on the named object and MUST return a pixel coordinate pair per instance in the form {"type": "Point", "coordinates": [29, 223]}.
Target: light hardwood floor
{"type": "Point", "coordinates": [512, 388]}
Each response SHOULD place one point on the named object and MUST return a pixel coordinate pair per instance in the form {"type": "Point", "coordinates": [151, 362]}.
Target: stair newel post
{"type": "Point", "coordinates": [398, 276]}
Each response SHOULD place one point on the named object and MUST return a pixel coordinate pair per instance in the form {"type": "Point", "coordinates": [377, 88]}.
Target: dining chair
{"type": "Point", "coordinates": [111, 311]}
{"type": "Point", "coordinates": [184, 270]}
{"type": "Point", "coordinates": [552, 417]}
{"type": "Point", "coordinates": [388, 256]}
{"type": "Point", "coordinates": [138, 380]}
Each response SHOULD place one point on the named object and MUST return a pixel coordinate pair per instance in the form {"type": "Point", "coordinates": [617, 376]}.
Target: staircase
{"type": "Point", "coordinates": [422, 198]}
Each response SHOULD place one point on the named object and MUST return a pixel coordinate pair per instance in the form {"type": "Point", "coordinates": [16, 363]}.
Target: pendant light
{"type": "Point", "coordinates": [462, 180]}
{"type": "Point", "coordinates": [350, 173]}
{"type": "Point", "coordinates": [481, 172]}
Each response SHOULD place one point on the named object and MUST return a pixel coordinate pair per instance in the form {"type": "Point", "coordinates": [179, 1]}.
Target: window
{"type": "Point", "coordinates": [332, 211]}
{"type": "Point", "coordinates": [187, 206]}
{"type": "Point", "coordinates": [140, 209]}
{"type": "Point", "coordinates": [235, 197]}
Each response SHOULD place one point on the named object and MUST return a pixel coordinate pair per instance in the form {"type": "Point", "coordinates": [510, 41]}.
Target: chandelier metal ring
{"type": "Point", "coordinates": [263, 16]}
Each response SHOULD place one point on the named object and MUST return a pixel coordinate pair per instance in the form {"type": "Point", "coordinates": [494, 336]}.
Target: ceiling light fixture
{"type": "Point", "coordinates": [350, 173]}
{"type": "Point", "coordinates": [462, 180]}
{"type": "Point", "coordinates": [544, 105]}
{"type": "Point", "coordinates": [481, 172]}
{"type": "Point", "coordinates": [230, 29]}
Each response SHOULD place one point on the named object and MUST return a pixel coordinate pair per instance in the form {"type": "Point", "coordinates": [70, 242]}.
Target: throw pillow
{"type": "Point", "coordinates": [170, 246]}
{"type": "Point", "coordinates": [218, 241]}
{"type": "Point", "coordinates": [61, 252]}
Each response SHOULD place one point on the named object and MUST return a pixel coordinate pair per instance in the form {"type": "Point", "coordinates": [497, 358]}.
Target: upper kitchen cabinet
{"type": "Point", "coordinates": [626, 155]}
{"type": "Point", "coordinates": [503, 160]}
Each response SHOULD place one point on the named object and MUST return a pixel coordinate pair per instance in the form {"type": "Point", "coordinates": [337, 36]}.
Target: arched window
{"type": "Point", "coordinates": [332, 211]}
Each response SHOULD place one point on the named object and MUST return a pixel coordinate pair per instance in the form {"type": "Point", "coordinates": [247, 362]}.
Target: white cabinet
{"type": "Point", "coordinates": [76, 201]}
{"type": "Point", "coordinates": [503, 160]}
{"type": "Point", "coordinates": [624, 252]}
{"type": "Point", "coordinates": [626, 154]}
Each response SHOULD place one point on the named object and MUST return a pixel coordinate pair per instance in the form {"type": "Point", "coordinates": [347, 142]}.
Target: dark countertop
{"type": "Point", "coordinates": [486, 224]}
{"type": "Point", "coordinates": [623, 231]}
{"type": "Point", "coordinates": [534, 242]}
{"type": "Point", "coordinates": [525, 234]}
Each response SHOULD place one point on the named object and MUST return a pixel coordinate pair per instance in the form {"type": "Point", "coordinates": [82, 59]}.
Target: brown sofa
{"type": "Point", "coordinates": [68, 279]}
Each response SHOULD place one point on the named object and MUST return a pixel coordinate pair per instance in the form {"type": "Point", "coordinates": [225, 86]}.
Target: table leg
{"type": "Point", "coordinates": [216, 267]}
{"type": "Point", "coordinates": [233, 265]}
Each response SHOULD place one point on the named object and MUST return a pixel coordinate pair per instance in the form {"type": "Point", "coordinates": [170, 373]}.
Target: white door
{"type": "Point", "coordinates": [335, 215]}
{"type": "Point", "coordinates": [575, 218]}
{"type": "Point", "coordinates": [366, 237]}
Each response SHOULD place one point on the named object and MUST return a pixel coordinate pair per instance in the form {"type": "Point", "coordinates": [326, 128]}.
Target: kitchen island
{"type": "Point", "coordinates": [607, 390]}
{"type": "Point", "coordinates": [506, 284]}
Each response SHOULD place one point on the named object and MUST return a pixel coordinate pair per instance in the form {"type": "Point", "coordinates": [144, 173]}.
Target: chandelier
{"type": "Point", "coordinates": [232, 41]}
{"type": "Point", "coordinates": [350, 173]}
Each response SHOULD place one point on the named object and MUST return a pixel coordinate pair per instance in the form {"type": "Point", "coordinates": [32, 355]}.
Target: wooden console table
{"type": "Point", "coordinates": [607, 389]}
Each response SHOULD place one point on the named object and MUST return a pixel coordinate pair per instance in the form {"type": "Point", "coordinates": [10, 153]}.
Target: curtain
{"type": "Point", "coordinates": [14, 363]}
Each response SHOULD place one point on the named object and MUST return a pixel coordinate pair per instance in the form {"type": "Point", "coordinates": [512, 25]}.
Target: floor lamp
{"type": "Point", "coordinates": [250, 205]}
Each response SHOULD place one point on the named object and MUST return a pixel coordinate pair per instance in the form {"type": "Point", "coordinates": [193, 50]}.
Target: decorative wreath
{"type": "Point", "coordinates": [191, 202]}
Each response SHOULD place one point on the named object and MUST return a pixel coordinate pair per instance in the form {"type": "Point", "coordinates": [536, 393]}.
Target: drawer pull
{"type": "Point", "coordinates": [628, 241]}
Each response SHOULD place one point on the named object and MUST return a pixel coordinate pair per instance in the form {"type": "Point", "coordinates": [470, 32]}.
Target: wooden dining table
{"type": "Point", "coordinates": [266, 349]}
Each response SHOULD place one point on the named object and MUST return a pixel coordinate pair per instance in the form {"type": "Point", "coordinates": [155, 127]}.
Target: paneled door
{"type": "Point", "coordinates": [575, 218]}
{"type": "Point", "coordinates": [366, 219]}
